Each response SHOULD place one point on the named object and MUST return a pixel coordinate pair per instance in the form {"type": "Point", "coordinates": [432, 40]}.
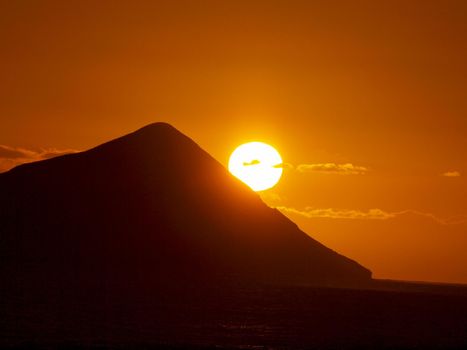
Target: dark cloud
{"type": "Point", "coordinates": [253, 162]}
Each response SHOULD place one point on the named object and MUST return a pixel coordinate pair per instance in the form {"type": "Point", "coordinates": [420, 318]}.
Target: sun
{"type": "Point", "coordinates": [257, 164]}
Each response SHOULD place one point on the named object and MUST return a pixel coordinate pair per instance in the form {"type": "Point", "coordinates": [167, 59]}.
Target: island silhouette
{"type": "Point", "coordinates": [148, 240]}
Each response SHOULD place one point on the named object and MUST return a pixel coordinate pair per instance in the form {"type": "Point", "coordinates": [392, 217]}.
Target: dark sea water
{"type": "Point", "coordinates": [250, 318]}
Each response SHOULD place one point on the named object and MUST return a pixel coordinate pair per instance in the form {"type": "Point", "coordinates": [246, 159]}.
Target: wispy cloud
{"type": "Point", "coordinates": [371, 214]}
{"type": "Point", "coordinates": [333, 168]}
{"type": "Point", "coordinates": [451, 174]}
{"type": "Point", "coordinates": [13, 156]}
{"type": "Point", "coordinates": [309, 212]}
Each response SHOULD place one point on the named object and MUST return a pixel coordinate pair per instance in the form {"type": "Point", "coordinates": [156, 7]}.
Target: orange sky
{"type": "Point", "coordinates": [379, 86]}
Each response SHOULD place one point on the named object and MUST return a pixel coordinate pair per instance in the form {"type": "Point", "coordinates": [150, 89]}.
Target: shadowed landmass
{"type": "Point", "coordinates": [148, 240]}
{"type": "Point", "coordinates": [154, 202]}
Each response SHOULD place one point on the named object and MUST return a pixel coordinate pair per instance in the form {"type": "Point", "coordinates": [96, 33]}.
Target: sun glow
{"type": "Point", "coordinates": [257, 164]}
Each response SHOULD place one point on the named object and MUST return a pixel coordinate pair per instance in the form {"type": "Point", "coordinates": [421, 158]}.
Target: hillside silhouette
{"type": "Point", "coordinates": [152, 207]}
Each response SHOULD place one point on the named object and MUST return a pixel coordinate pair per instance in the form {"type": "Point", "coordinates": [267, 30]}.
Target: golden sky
{"type": "Point", "coordinates": [365, 100]}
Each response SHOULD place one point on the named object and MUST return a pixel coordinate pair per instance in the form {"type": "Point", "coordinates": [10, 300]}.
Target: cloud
{"type": "Point", "coordinates": [7, 152]}
{"type": "Point", "coordinates": [333, 168]}
{"type": "Point", "coordinates": [451, 174]}
{"type": "Point", "coordinates": [253, 162]}
{"type": "Point", "coordinates": [284, 166]}
{"type": "Point", "coordinates": [14, 156]}
{"type": "Point", "coordinates": [371, 214]}
{"type": "Point", "coordinates": [309, 212]}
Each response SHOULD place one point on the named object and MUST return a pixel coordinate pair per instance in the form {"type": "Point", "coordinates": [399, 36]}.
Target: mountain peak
{"type": "Point", "coordinates": [156, 133]}
{"type": "Point", "coordinates": [157, 127]}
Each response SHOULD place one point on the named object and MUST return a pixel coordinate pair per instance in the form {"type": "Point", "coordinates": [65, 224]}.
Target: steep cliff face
{"type": "Point", "coordinates": [152, 209]}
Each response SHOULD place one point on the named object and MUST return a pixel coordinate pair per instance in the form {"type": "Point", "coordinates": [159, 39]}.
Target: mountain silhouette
{"type": "Point", "coordinates": [147, 210]}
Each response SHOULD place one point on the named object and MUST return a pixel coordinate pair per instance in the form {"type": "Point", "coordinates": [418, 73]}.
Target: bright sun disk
{"type": "Point", "coordinates": [257, 164]}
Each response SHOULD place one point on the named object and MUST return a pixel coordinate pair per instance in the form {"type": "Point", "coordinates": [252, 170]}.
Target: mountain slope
{"type": "Point", "coordinates": [151, 209]}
